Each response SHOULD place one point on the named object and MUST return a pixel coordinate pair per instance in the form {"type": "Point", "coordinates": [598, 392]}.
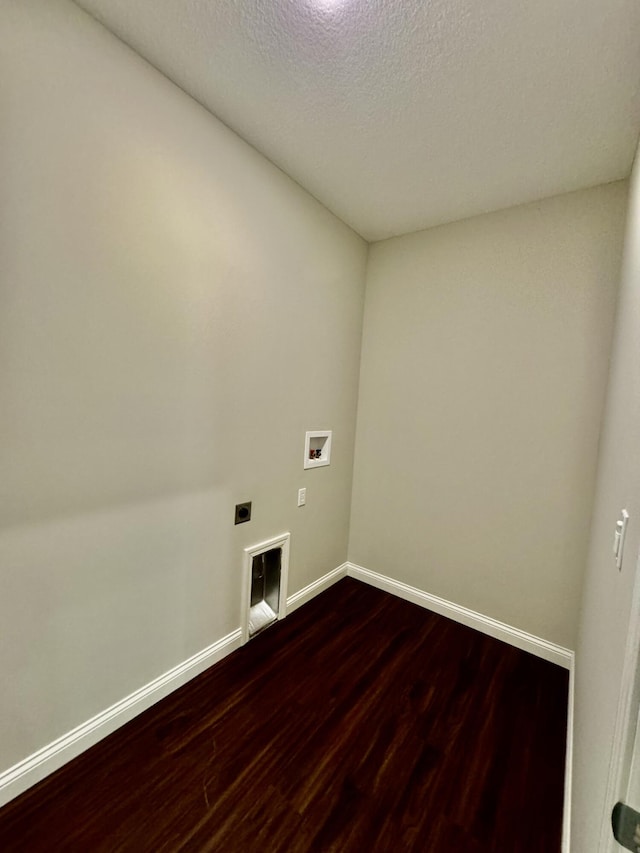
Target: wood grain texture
{"type": "Point", "coordinates": [360, 723]}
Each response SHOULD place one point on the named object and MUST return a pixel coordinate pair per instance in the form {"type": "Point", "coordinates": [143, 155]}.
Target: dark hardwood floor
{"type": "Point", "coordinates": [359, 723]}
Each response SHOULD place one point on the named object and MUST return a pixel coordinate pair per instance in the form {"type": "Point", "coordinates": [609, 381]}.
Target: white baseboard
{"type": "Point", "coordinates": [514, 636]}
{"type": "Point", "coordinates": [568, 767]}
{"type": "Point", "coordinates": [33, 769]}
{"type": "Point", "coordinates": [485, 624]}
{"type": "Point", "coordinates": [40, 764]}
{"type": "Point", "coordinates": [308, 592]}
{"type": "Point", "coordinates": [17, 779]}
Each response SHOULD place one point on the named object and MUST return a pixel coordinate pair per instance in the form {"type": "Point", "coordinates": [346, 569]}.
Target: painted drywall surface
{"type": "Point", "coordinates": [175, 314]}
{"type": "Point", "coordinates": [482, 383]}
{"type": "Point", "coordinates": [607, 591]}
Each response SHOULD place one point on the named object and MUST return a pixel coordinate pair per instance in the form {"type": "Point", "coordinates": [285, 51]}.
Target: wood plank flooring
{"type": "Point", "coordinates": [359, 723]}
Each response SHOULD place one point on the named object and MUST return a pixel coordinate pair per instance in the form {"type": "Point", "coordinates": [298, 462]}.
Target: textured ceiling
{"type": "Point", "coordinates": [402, 114]}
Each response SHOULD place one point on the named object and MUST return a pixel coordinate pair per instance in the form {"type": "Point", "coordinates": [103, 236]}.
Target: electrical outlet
{"type": "Point", "coordinates": [302, 497]}
{"type": "Point", "coordinates": [243, 513]}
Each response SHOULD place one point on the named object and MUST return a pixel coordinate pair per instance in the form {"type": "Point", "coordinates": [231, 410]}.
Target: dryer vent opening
{"type": "Point", "coordinates": [265, 589]}
{"type": "Point", "coordinates": [264, 600]}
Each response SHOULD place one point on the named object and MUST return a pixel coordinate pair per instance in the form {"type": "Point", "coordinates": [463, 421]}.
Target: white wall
{"type": "Point", "coordinates": [482, 382]}
{"type": "Point", "coordinates": [175, 312]}
{"type": "Point", "coordinates": [607, 592]}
